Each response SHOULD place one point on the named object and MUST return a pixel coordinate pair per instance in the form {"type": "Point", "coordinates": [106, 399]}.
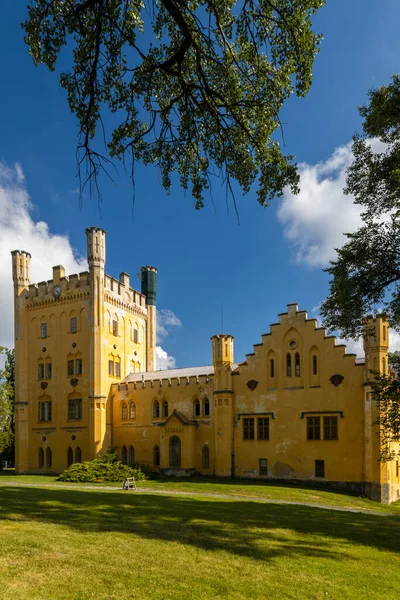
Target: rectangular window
{"type": "Point", "coordinates": [78, 366]}
{"type": "Point", "coordinates": [75, 409]}
{"type": "Point", "coordinates": [262, 466]}
{"type": "Point", "coordinates": [313, 428]}
{"type": "Point", "coordinates": [48, 370]}
{"type": "Point", "coordinates": [117, 369]}
{"type": "Point", "coordinates": [314, 365]}
{"type": "Point", "coordinates": [330, 428]}
{"type": "Point", "coordinates": [44, 330]}
{"type": "Point", "coordinates": [319, 468]}
{"type": "Point", "coordinates": [40, 371]}
{"type": "Point", "coordinates": [45, 411]}
{"type": "Point", "coordinates": [115, 327]}
{"type": "Point", "coordinates": [263, 428]}
{"type": "Point", "coordinates": [248, 428]}
{"type": "Point", "coordinates": [72, 327]}
{"type": "Point", "coordinates": [135, 335]}
{"type": "Point", "coordinates": [70, 368]}
{"type": "Point", "coordinates": [111, 368]}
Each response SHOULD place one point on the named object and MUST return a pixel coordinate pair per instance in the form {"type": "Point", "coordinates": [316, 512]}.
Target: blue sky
{"type": "Point", "coordinates": [205, 259]}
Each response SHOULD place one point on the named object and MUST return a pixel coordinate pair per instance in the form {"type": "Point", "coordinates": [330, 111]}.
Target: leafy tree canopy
{"type": "Point", "coordinates": [366, 274]}
{"type": "Point", "coordinates": [386, 393]}
{"type": "Point", "coordinates": [196, 86]}
{"type": "Point", "coordinates": [7, 387]}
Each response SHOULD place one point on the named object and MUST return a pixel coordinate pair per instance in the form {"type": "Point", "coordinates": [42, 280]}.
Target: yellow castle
{"type": "Point", "coordinates": [299, 408]}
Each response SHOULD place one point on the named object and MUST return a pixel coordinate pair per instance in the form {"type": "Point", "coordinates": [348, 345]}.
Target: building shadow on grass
{"type": "Point", "coordinates": [245, 528]}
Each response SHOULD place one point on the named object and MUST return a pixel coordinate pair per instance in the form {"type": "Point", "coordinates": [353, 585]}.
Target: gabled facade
{"type": "Point", "coordinates": [297, 409]}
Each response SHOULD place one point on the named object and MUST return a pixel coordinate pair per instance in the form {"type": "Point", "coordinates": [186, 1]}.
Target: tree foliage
{"type": "Point", "coordinates": [386, 392]}
{"type": "Point", "coordinates": [196, 86]}
{"type": "Point", "coordinates": [7, 394]}
{"type": "Point", "coordinates": [366, 274]}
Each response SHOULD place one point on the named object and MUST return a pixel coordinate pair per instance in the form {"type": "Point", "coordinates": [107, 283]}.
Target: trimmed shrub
{"type": "Point", "coordinates": [104, 468]}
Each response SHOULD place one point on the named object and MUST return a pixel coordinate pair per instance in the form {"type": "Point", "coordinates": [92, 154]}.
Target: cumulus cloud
{"type": "Point", "coordinates": [166, 319]}
{"type": "Point", "coordinates": [316, 219]}
{"type": "Point", "coordinates": [19, 231]}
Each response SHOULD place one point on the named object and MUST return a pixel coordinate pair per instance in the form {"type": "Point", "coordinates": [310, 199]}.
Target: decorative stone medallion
{"type": "Point", "coordinates": [74, 382]}
{"type": "Point", "coordinates": [252, 384]}
{"type": "Point", "coordinates": [44, 385]}
{"type": "Point", "coordinates": [336, 379]}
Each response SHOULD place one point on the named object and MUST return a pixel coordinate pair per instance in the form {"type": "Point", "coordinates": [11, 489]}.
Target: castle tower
{"type": "Point", "coordinates": [21, 273]}
{"type": "Point", "coordinates": [376, 347]}
{"type": "Point", "coordinates": [96, 255]}
{"type": "Point", "coordinates": [222, 354]}
{"type": "Point", "coordinates": [149, 289]}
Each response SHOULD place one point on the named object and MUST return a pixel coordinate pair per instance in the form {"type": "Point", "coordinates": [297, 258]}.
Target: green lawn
{"type": "Point", "coordinates": [57, 543]}
{"type": "Point", "coordinates": [239, 488]}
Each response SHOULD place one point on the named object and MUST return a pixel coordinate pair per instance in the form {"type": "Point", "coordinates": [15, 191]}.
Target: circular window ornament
{"type": "Point", "coordinates": [292, 345]}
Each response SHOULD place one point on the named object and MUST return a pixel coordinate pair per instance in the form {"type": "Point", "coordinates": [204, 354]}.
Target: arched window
{"type": "Point", "coordinates": [124, 411]}
{"type": "Point", "coordinates": [131, 458]}
{"type": "Point", "coordinates": [206, 407]}
{"type": "Point", "coordinates": [288, 365]}
{"type": "Point", "coordinates": [383, 365]}
{"type": "Point", "coordinates": [132, 410]}
{"type": "Point", "coordinates": [165, 408]}
{"type": "Point", "coordinates": [196, 407]}
{"type": "Point", "coordinates": [175, 451]}
{"type": "Point", "coordinates": [41, 458]}
{"type": "Point", "coordinates": [206, 457]}
{"type": "Point", "coordinates": [124, 455]}
{"type": "Point", "coordinates": [70, 456]}
{"type": "Point", "coordinates": [297, 364]}
{"type": "Point", "coordinates": [78, 455]}
{"type": "Point", "coordinates": [156, 409]}
{"type": "Point", "coordinates": [384, 333]}
{"type": "Point", "coordinates": [135, 334]}
{"type": "Point", "coordinates": [272, 367]}
{"type": "Point", "coordinates": [314, 364]}
{"type": "Point", "coordinates": [156, 456]}
{"type": "Point", "coordinates": [48, 457]}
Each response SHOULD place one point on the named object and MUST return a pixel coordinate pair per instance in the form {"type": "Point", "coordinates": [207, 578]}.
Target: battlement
{"type": "Point", "coordinates": [44, 289]}
{"type": "Point", "coordinates": [119, 289]}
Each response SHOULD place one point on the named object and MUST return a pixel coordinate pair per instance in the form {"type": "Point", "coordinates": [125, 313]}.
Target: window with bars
{"type": "Point", "coordinates": [313, 428]}
{"type": "Point", "coordinates": [45, 410]}
{"type": "Point", "coordinates": [72, 325]}
{"type": "Point", "coordinates": [248, 428]}
{"type": "Point", "coordinates": [43, 330]}
{"type": "Point", "coordinates": [75, 409]}
{"type": "Point", "coordinates": [297, 364]}
{"type": "Point", "coordinates": [263, 428]}
{"type": "Point", "coordinates": [132, 410]}
{"type": "Point", "coordinates": [262, 466]}
{"type": "Point", "coordinates": [330, 428]}
{"type": "Point", "coordinates": [111, 368]}
{"type": "Point", "coordinates": [117, 368]}
{"type": "Point", "coordinates": [124, 411]}
{"type": "Point", "coordinates": [288, 365]}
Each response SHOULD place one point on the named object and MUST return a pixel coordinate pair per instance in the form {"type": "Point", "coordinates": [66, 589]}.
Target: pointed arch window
{"type": "Point", "coordinates": [131, 456]}
{"type": "Point", "coordinates": [78, 455]}
{"type": "Point", "coordinates": [156, 409]}
{"type": "Point", "coordinates": [41, 458]}
{"type": "Point", "coordinates": [206, 407]}
{"type": "Point", "coordinates": [175, 451]}
{"type": "Point", "coordinates": [70, 456]}
{"type": "Point", "coordinates": [288, 365]}
{"type": "Point", "coordinates": [383, 366]}
{"type": "Point", "coordinates": [124, 411]}
{"type": "Point", "coordinates": [156, 456]}
{"type": "Point", "coordinates": [48, 457]}
{"type": "Point", "coordinates": [196, 407]}
{"type": "Point", "coordinates": [206, 457]}
{"type": "Point", "coordinates": [124, 455]}
{"type": "Point", "coordinates": [297, 364]}
{"type": "Point", "coordinates": [165, 408]}
{"type": "Point", "coordinates": [272, 367]}
{"type": "Point", "coordinates": [135, 334]}
{"type": "Point", "coordinates": [132, 410]}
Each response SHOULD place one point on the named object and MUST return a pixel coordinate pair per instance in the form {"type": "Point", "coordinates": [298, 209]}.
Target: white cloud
{"type": "Point", "coordinates": [164, 360]}
{"type": "Point", "coordinates": [315, 220]}
{"type": "Point", "coordinates": [18, 231]}
{"type": "Point", "coordinates": [166, 319]}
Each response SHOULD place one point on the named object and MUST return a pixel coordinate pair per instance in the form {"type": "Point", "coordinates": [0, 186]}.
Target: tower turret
{"type": "Point", "coordinates": [222, 353]}
{"type": "Point", "coordinates": [149, 289]}
{"type": "Point", "coordinates": [376, 345]}
{"type": "Point", "coordinates": [21, 268]}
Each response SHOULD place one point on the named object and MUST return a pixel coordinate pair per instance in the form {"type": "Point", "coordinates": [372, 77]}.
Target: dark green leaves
{"type": "Point", "coordinates": [198, 95]}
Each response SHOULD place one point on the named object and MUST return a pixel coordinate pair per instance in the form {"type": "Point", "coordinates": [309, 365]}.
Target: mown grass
{"type": "Point", "coordinates": [63, 544]}
{"type": "Point", "coordinates": [275, 492]}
